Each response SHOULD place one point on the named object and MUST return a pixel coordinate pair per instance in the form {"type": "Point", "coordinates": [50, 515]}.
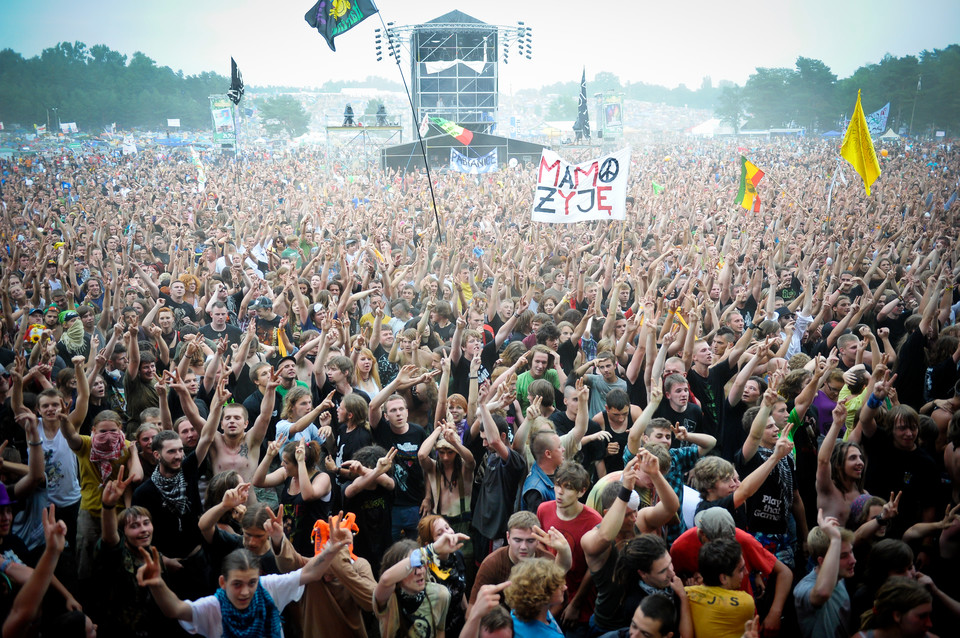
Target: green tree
{"type": "Point", "coordinates": [605, 81]}
{"type": "Point", "coordinates": [284, 113]}
{"type": "Point", "coordinates": [768, 97]}
{"type": "Point", "coordinates": [563, 107]}
{"type": "Point", "coordinates": [813, 87]}
{"type": "Point", "coordinates": [731, 107]}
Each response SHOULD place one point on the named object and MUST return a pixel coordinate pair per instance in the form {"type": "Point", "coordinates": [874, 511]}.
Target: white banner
{"type": "Point", "coordinates": [129, 146]}
{"type": "Point", "coordinates": [473, 165]}
{"type": "Point", "coordinates": [68, 127]}
{"type": "Point", "coordinates": [877, 121]}
{"type": "Point", "coordinates": [568, 193]}
{"type": "Point", "coordinates": [173, 122]}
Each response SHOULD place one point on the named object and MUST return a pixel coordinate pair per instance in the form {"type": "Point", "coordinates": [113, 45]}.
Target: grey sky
{"type": "Point", "coordinates": [665, 43]}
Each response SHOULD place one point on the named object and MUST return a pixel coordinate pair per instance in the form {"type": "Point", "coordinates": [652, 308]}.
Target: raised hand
{"type": "Point", "coordinates": [113, 490]}
{"type": "Point", "coordinates": [149, 572]}
{"type": "Point", "coordinates": [236, 496]}
{"type": "Point", "coordinates": [385, 462]}
{"type": "Point", "coordinates": [274, 447]}
{"type": "Point", "coordinates": [551, 539]}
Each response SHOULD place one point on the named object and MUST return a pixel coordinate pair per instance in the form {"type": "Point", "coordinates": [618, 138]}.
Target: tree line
{"type": "Point", "coordinates": [96, 86]}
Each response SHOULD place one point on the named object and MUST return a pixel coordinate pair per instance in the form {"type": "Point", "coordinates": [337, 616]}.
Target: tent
{"type": "Point", "coordinates": [889, 135]}
{"type": "Point", "coordinates": [408, 156]}
{"type": "Point", "coordinates": [832, 134]}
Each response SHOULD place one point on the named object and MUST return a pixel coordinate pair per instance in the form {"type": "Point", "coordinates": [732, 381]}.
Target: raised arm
{"type": "Point", "coordinates": [148, 575]}
{"type": "Point", "coordinates": [756, 478]}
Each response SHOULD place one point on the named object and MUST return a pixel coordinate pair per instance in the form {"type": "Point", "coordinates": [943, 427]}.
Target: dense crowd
{"type": "Point", "coordinates": [285, 405]}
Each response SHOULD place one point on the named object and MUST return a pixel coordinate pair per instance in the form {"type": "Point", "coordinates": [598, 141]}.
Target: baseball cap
{"type": "Point", "coordinates": [289, 357]}
{"type": "Point", "coordinates": [262, 302]}
{"type": "Point", "coordinates": [67, 315]}
{"type": "Point", "coordinates": [715, 522]}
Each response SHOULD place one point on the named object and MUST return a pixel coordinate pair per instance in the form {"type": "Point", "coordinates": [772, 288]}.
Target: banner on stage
{"type": "Point", "coordinates": [173, 122]}
{"type": "Point", "coordinates": [473, 165]}
{"type": "Point", "coordinates": [569, 193]}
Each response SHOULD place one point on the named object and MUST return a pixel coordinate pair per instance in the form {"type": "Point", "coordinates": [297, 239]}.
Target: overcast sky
{"type": "Point", "coordinates": [666, 43]}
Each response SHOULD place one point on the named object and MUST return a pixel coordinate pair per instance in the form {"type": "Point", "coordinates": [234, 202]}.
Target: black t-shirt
{"type": "Point", "coordinates": [768, 508]}
{"type": "Point", "coordinates": [568, 353]}
{"type": "Point", "coordinates": [180, 310]}
{"type": "Point", "coordinates": [739, 513]}
{"type": "Point", "coordinates": [349, 442]}
{"type": "Point", "coordinates": [893, 470]}
{"type": "Point", "coordinates": [407, 473]}
{"type": "Point", "coordinates": [460, 375]}
{"type": "Point", "coordinates": [709, 392]}
{"type": "Point", "coordinates": [233, 334]}
{"type": "Point", "coordinates": [372, 508]}
{"type": "Point", "coordinates": [561, 422]}
{"type": "Point", "coordinates": [175, 535]}
{"type": "Point", "coordinates": [388, 371]}
{"type": "Point", "coordinates": [691, 418]}
{"type": "Point", "coordinates": [732, 433]}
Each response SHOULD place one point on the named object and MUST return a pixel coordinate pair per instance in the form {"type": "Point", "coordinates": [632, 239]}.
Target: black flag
{"type": "Point", "coordinates": [236, 83]}
{"type": "Point", "coordinates": [582, 125]}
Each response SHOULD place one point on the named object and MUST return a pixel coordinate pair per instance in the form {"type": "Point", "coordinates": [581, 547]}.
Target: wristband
{"type": "Point", "coordinates": [105, 507]}
{"type": "Point", "coordinates": [34, 442]}
{"type": "Point", "coordinates": [881, 521]}
{"type": "Point", "coordinates": [873, 402]}
{"type": "Point", "coordinates": [625, 494]}
{"type": "Point", "coordinates": [416, 559]}
{"type": "Point", "coordinates": [471, 377]}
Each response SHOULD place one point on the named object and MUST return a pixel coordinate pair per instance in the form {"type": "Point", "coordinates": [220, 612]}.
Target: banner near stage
{"type": "Point", "coordinates": [569, 193]}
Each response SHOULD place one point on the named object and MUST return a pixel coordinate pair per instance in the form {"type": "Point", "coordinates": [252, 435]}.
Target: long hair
{"type": "Point", "coordinates": [897, 595]}
{"type": "Point", "coordinates": [293, 395]}
{"type": "Point", "coordinates": [374, 369]}
{"type": "Point", "coordinates": [638, 554]}
{"type": "Point", "coordinates": [357, 410]}
{"type": "Point", "coordinates": [839, 459]}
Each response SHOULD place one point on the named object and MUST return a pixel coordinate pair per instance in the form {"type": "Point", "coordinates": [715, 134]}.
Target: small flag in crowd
{"type": "Point", "coordinates": [750, 176]}
{"type": "Point", "coordinates": [858, 149]}
{"type": "Point", "coordinates": [40, 129]}
{"type": "Point", "coordinates": [333, 17]}
{"type": "Point", "coordinates": [657, 188]}
{"type": "Point", "coordinates": [462, 135]}
{"type": "Point", "coordinates": [236, 82]}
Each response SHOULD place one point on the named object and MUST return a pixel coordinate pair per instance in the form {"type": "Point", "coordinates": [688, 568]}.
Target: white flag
{"type": "Point", "coordinates": [568, 193]}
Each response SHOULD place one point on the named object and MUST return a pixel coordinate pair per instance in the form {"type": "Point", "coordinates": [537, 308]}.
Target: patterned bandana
{"type": "Point", "coordinates": [104, 448]}
{"type": "Point", "coordinates": [173, 490]}
{"type": "Point", "coordinates": [261, 618]}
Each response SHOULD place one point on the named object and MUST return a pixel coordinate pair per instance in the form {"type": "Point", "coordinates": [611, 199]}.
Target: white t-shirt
{"type": "Point", "coordinates": [60, 466]}
{"type": "Point", "coordinates": [309, 433]}
{"type": "Point", "coordinates": [207, 621]}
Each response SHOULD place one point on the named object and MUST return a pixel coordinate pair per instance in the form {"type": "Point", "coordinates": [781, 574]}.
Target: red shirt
{"type": "Point", "coordinates": [573, 531]}
{"type": "Point", "coordinates": [686, 550]}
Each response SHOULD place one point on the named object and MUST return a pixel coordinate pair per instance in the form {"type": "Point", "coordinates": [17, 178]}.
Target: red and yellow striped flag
{"type": "Point", "coordinates": [750, 176]}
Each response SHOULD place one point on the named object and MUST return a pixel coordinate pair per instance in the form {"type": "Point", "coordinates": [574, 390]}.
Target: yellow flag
{"type": "Point", "coordinates": [858, 148]}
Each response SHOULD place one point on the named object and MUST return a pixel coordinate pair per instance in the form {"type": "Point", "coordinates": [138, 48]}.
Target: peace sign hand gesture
{"type": "Point", "coordinates": [113, 490]}
{"type": "Point", "coordinates": [149, 572]}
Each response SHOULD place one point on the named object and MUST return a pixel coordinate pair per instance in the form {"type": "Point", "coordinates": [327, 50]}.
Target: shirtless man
{"type": "Point", "coordinates": [235, 448]}
{"type": "Point", "coordinates": [839, 470]}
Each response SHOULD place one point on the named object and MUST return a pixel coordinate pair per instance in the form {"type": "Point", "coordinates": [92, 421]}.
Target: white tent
{"type": "Point", "coordinates": [890, 135]}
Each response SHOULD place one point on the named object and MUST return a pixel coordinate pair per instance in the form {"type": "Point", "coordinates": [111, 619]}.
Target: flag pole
{"type": "Point", "coordinates": [416, 129]}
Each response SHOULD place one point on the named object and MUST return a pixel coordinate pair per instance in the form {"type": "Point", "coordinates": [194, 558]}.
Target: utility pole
{"type": "Point", "coordinates": [914, 109]}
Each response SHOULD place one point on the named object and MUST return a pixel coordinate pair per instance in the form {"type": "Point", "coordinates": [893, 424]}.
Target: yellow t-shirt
{"type": "Point", "coordinates": [719, 612]}
{"type": "Point", "coordinates": [90, 481]}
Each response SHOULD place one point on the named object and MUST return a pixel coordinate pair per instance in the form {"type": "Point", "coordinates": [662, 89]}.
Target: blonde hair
{"type": "Point", "coordinates": [532, 584]}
